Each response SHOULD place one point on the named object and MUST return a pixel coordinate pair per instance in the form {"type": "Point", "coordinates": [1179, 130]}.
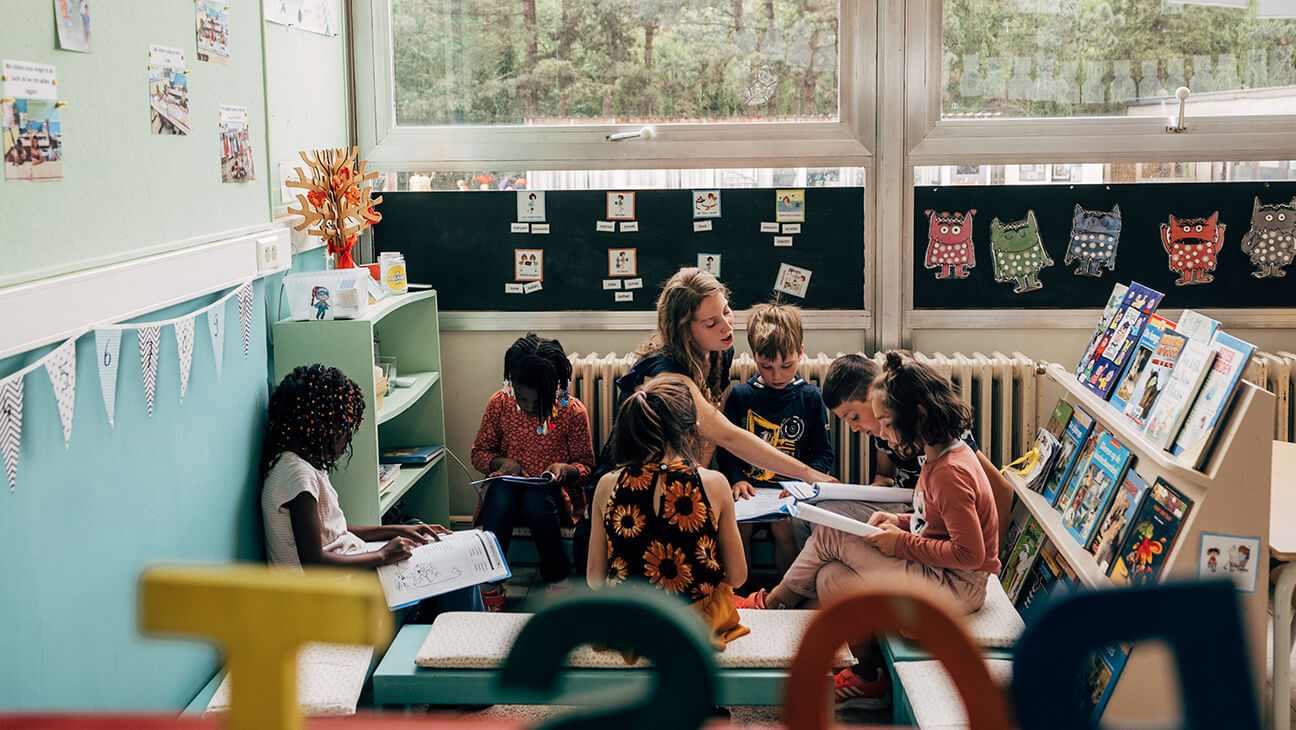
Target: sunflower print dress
{"type": "Point", "coordinates": [673, 544]}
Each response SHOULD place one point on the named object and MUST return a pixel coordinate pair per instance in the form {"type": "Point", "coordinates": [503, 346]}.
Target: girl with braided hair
{"type": "Point", "coordinates": [313, 414]}
{"type": "Point", "coordinates": [532, 425]}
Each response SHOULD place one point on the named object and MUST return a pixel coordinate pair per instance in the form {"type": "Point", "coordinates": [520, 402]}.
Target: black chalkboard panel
{"type": "Point", "coordinates": [459, 242]}
{"type": "Point", "coordinates": [1139, 257]}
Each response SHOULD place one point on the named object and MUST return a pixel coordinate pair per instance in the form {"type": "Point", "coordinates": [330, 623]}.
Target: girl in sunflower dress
{"type": "Point", "coordinates": [662, 519]}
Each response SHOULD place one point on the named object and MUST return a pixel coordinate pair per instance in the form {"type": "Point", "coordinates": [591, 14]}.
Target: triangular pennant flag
{"type": "Point", "coordinates": [148, 344]}
{"type": "Point", "coordinates": [107, 345]}
{"type": "Point", "coordinates": [216, 326]}
{"type": "Point", "coordinates": [11, 402]}
{"type": "Point", "coordinates": [184, 330]}
{"type": "Point", "coordinates": [245, 313]}
{"type": "Point", "coordinates": [61, 366]}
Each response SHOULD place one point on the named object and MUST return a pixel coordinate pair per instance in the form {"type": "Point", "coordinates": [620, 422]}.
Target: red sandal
{"type": "Point", "coordinates": [493, 599]}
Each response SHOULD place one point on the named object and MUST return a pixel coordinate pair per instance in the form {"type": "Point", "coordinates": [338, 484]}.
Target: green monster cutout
{"type": "Point", "coordinates": [1018, 253]}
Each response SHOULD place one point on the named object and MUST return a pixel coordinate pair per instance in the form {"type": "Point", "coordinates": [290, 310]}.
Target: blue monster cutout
{"type": "Point", "coordinates": [1094, 237]}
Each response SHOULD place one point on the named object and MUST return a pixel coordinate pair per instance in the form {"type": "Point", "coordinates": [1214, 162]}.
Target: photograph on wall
{"type": "Point", "coordinates": [1231, 556]}
{"type": "Point", "coordinates": [622, 262]}
{"type": "Point", "coordinates": [213, 31]}
{"type": "Point", "coordinates": [168, 91]}
{"type": "Point", "coordinates": [72, 18]}
{"type": "Point", "coordinates": [316, 16]}
{"type": "Point", "coordinates": [706, 203]}
{"type": "Point", "coordinates": [32, 139]}
{"type": "Point", "coordinates": [236, 147]}
{"type": "Point", "coordinates": [1032, 173]}
{"type": "Point", "coordinates": [710, 263]}
{"type": "Point", "coordinates": [620, 206]}
{"type": "Point", "coordinates": [789, 206]}
{"type": "Point", "coordinates": [528, 264]}
{"type": "Point", "coordinates": [530, 205]}
{"type": "Point", "coordinates": [792, 280]}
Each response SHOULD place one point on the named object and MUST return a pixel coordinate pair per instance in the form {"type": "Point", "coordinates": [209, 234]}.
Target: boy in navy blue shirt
{"type": "Point", "coordinates": [778, 405]}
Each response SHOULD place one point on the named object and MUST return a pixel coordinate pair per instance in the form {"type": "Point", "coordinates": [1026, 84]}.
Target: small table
{"type": "Point", "coordinates": [1282, 546]}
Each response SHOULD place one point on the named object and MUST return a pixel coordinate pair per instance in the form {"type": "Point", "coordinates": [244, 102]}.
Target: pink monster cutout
{"type": "Point", "coordinates": [1193, 244]}
{"type": "Point", "coordinates": [949, 243]}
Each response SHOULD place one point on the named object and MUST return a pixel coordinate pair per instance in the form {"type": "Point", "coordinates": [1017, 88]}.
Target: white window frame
{"type": "Point", "coordinates": [848, 141]}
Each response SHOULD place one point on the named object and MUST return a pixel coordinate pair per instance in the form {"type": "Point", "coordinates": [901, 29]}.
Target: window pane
{"type": "Point", "coordinates": [1124, 172]}
{"type": "Point", "coordinates": [797, 177]}
{"type": "Point", "coordinates": [554, 62]}
{"type": "Point", "coordinates": [1068, 58]}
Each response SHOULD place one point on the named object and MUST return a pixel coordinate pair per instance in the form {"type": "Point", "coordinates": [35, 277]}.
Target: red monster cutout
{"type": "Point", "coordinates": [1193, 244]}
{"type": "Point", "coordinates": [949, 243]}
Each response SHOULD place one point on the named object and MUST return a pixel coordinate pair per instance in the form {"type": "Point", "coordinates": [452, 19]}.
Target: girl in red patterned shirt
{"type": "Point", "coordinates": [532, 426]}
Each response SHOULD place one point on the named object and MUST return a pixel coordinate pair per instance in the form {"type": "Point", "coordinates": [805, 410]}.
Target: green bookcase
{"type": "Point", "coordinates": [405, 326]}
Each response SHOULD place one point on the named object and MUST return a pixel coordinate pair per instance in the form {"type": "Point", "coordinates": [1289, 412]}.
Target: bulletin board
{"type": "Point", "coordinates": [1139, 255]}
{"type": "Point", "coordinates": [461, 243]}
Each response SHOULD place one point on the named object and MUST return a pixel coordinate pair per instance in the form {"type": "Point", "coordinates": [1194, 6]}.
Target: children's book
{"type": "Point", "coordinates": [1077, 431]}
{"type": "Point", "coordinates": [821, 516]}
{"type": "Point", "coordinates": [1139, 361]}
{"type": "Point", "coordinates": [1041, 580]}
{"type": "Point", "coordinates": [1151, 536]}
{"type": "Point", "coordinates": [765, 506]}
{"type": "Point", "coordinates": [1098, 483]}
{"type": "Point", "coordinates": [1034, 464]}
{"type": "Point", "coordinates": [457, 560]}
{"type": "Point", "coordinates": [1109, 311]}
{"type": "Point", "coordinates": [1155, 378]}
{"type": "Point", "coordinates": [1192, 444]}
{"type": "Point", "coordinates": [387, 475]}
{"type": "Point", "coordinates": [545, 478]}
{"type": "Point", "coordinates": [1116, 522]}
{"type": "Point", "coordinates": [408, 455]}
{"type": "Point", "coordinates": [1117, 342]}
{"type": "Point", "coordinates": [1070, 491]}
{"type": "Point", "coordinates": [1058, 420]}
{"type": "Point", "coordinates": [1021, 558]}
{"type": "Point", "coordinates": [1181, 390]}
{"type": "Point", "coordinates": [1101, 673]}
{"type": "Point", "coordinates": [824, 491]}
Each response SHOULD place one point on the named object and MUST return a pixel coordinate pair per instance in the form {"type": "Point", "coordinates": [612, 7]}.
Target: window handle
{"type": "Point", "coordinates": [645, 133]}
{"type": "Point", "coordinates": [1182, 94]}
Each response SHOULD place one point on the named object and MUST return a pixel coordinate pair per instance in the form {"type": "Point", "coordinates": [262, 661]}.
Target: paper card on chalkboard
{"type": "Point", "coordinates": [789, 206]}
{"type": "Point", "coordinates": [519, 228]}
{"type": "Point", "coordinates": [634, 283]}
{"type": "Point", "coordinates": [530, 205]}
{"type": "Point", "coordinates": [620, 206]}
{"type": "Point", "coordinates": [528, 264]}
{"type": "Point", "coordinates": [513, 289]}
{"type": "Point", "coordinates": [792, 280]}
{"type": "Point", "coordinates": [782, 240]}
{"type": "Point", "coordinates": [629, 226]}
{"type": "Point", "coordinates": [622, 262]}
{"type": "Point", "coordinates": [605, 227]}
{"type": "Point", "coordinates": [769, 227]}
{"type": "Point", "coordinates": [624, 296]}
{"type": "Point", "coordinates": [701, 226]}
{"type": "Point", "coordinates": [530, 287]}
{"type": "Point", "coordinates": [540, 228]}
{"type": "Point", "coordinates": [791, 228]}
{"type": "Point", "coordinates": [710, 263]}
{"type": "Point", "coordinates": [611, 284]}
{"type": "Point", "coordinates": [706, 204]}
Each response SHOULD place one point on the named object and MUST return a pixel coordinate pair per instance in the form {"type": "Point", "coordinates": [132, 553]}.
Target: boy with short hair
{"type": "Point", "coordinates": [778, 405]}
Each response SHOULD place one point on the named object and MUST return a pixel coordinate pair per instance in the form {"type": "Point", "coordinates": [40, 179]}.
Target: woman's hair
{"type": "Point", "coordinates": [924, 407]}
{"type": "Point", "coordinates": [313, 413]}
{"type": "Point", "coordinates": [681, 296]}
{"type": "Point", "coordinates": [540, 363]}
{"type": "Point", "coordinates": [849, 377]}
{"type": "Point", "coordinates": [656, 421]}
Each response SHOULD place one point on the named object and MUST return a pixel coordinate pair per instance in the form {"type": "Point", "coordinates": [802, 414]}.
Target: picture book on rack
{"type": "Point", "coordinates": [1058, 419]}
{"type": "Point", "coordinates": [1192, 444]}
{"type": "Point", "coordinates": [1102, 670]}
{"type": "Point", "coordinates": [1115, 524]}
{"type": "Point", "coordinates": [1109, 311]}
{"type": "Point", "coordinates": [1077, 431]}
{"type": "Point", "coordinates": [1155, 378]}
{"type": "Point", "coordinates": [1117, 342]}
{"type": "Point", "coordinates": [1151, 537]}
{"type": "Point", "coordinates": [1034, 465]}
{"type": "Point", "coordinates": [1098, 483]}
{"type": "Point", "coordinates": [1139, 361]}
{"type": "Point", "coordinates": [1071, 486]}
{"type": "Point", "coordinates": [1185, 380]}
{"type": "Point", "coordinates": [1021, 557]}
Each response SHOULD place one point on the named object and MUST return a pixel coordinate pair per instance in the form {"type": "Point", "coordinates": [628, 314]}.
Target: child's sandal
{"type": "Point", "coordinates": [493, 599]}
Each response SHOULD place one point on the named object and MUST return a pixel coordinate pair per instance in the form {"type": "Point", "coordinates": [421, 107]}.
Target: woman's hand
{"type": "Point", "coordinates": [743, 490]}
{"type": "Point", "coordinates": [505, 466]}
{"type": "Point", "coordinates": [886, 540]}
{"type": "Point", "coordinates": [396, 549]}
{"type": "Point", "coordinates": [881, 519]}
{"type": "Point", "coordinates": [811, 476]}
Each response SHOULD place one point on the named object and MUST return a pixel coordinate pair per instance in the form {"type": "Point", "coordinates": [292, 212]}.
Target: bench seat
{"type": "Point", "coordinates": [330, 678]}
{"type": "Point", "coordinates": [924, 695]}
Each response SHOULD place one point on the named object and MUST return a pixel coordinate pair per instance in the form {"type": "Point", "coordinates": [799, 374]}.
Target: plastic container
{"type": "Point", "coordinates": [333, 294]}
{"type": "Point", "coordinates": [394, 277]}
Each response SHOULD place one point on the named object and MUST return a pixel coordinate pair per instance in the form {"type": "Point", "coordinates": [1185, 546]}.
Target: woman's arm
{"type": "Point", "coordinates": [732, 557]}
{"type": "Point", "coordinates": [596, 564]}
{"type": "Point", "coordinates": [308, 532]}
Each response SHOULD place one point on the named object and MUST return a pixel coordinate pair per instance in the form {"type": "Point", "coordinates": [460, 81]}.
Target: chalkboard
{"type": "Point", "coordinates": [460, 243]}
{"type": "Point", "coordinates": [1139, 255]}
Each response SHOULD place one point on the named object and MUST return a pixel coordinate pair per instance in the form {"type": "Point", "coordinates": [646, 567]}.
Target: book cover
{"type": "Point", "coordinates": [1117, 342]}
{"type": "Point", "coordinates": [1071, 487]}
{"type": "Point", "coordinates": [1151, 536]}
{"type": "Point", "coordinates": [1196, 326]}
{"type": "Point", "coordinates": [1059, 418]}
{"type": "Point", "coordinates": [1021, 558]}
{"type": "Point", "coordinates": [1204, 416]}
{"type": "Point", "coordinates": [1077, 431]}
{"type": "Point", "coordinates": [1185, 380]}
{"type": "Point", "coordinates": [1155, 377]}
{"type": "Point", "coordinates": [1138, 362]}
{"type": "Point", "coordinates": [1034, 466]}
{"type": "Point", "coordinates": [1043, 576]}
{"type": "Point", "coordinates": [1102, 671]}
{"type": "Point", "coordinates": [1096, 486]}
{"type": "Point", "coordinates": [408, 455]}
{"type": "Point", "coordinates": [1116, 522]}
{"type": "Point", "coordinates": [457, 560]}
{"type": "Point", "coordinates": [1113, 303]}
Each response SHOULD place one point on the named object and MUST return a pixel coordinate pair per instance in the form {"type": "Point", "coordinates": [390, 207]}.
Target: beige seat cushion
{"type": "Point", "coordinates": [997, 623]}
{"type": "Point", "coordinates": [458, 640]}
{"type": "Point", "coordinates": [935, 701]}
{"type": "Point", "coordinates": [329, 679]}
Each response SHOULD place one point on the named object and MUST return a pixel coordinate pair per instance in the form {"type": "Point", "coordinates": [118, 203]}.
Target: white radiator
{"type": "Point", "coordinates": [1275, 372]}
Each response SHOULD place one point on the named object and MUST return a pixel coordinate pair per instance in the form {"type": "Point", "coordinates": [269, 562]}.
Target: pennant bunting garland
{"type": "Point", "coordinates": [61, 366]}
{"type": "Point", "coordinates": [11, 403]}
{"type": "Point", "coordinates": [245, 313]}
{"type": "Point", "coordinates": [148, 345]}
{"type": "Point", "coordinates": [216, 326]}
{"type": "Point", "coordinates": [107, 345]}
{"type": "Point", "coordinates": [184, 330]}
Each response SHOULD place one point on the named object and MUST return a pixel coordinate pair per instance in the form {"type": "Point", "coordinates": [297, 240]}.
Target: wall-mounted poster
{"type": "Point", "coordinates": [236, 148]}
{"type": "Point", "coordinates": [168, 91]}
{"type": "Point", "coordinates": [710, 263]}
{"type": "Point", "coordinates": [528, 264]}
{"type": "Point", "coordinates": [622, 262]}
{"type": "Point", "coordinates": [621, 206]}
{"type": "Point", "coordinates": [32, 140]}
{"type": "Point", "coordinates": [706, 203]}
{"type": "Point", "coordinates": [792, 280]}
{"type": "Point", "coordinates": [789, 206]}
{"type": "Point", "coordinates": [213, 31]}
{"type": "Point", "coordinates": [1231, 556]}
{"type": "Point", "coordinates": [72, 17]}
{"type": "Point", "coordinates": [530, 205]}
{"type": "Point", "coordinates": [316, 16]}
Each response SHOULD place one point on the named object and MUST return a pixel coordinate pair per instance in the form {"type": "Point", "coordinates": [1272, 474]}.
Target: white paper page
{"type": "Point", "coordinates": [455, 561]}
{"type": "Point", "coordinates": [818, 515]}
{"type": "Point", "coordinates": [765, 502]}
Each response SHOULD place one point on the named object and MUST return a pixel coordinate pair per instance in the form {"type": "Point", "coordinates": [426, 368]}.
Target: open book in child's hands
{"type": "Point", "coordinates": [457, 560]}
{"type": "Point", "coordinates": [823, 491]}
{"type": "Point", "coordinates": [545, 478]}
{"type": "Point", "coordinates": [821, 516]}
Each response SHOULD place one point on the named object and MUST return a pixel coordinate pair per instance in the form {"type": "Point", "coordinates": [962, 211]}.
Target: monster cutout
{"type": "Point", "coordinates": [1018, 253]}
{"type": "Point", "coordinates": [1094, 236]}
{"type": "Point", "coordinates": [1272, 239]}
{"type": "Point", "coordinates": [1193, 244]}
{"type": "Point", "coordinates": [949, 243]}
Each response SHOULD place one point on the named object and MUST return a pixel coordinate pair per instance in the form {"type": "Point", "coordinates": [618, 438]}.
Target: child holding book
{"type": "Point", "coordinates": [662, 518]}
{"type": "Point", "coordinates": [313, 415]}
{"type": "Point", "coordinates": [531, 426]}
{"type": "Point", "coordinates": [778, 405]}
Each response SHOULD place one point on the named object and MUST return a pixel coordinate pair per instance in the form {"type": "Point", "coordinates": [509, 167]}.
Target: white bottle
{"type": "Point", "coordinates": [391, 265]}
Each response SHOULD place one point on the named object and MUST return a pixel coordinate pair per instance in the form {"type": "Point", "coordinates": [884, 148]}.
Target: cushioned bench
{"type": "Point", "coordinates": [455, 661]}
{"type": "Point", "coordinates": [924, 695]}
{"type": "Point", "coordinates": [330, 678]}
{"type": "Point", "coordinates": [995, 627]}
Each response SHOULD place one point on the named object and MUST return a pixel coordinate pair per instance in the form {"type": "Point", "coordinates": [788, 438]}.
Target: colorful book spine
{"type": "Point", "coordinates": [1155, 378]}
{"type": "Point", "coordinates": [1117, 343]}
{"type": "Point", "coordinates": [1021, 558]}
{"type": "Point", "coordinates": [1151, 537]}
{"type": "Point", "coordinates": [1185, 380]}
{"type": "Point", "coordinates": [1115, 524]}
{"type": "Point", "coordinates": [1109, 311]}
{"type": "Point", "coordinates": [1152, 331]}
{"type": "Point", "coordinates": [1192, 445]}
{"type": "Point", "coordinates": [1097, 484]}
{"type": "Point", "coordinates": [1073, 437]}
